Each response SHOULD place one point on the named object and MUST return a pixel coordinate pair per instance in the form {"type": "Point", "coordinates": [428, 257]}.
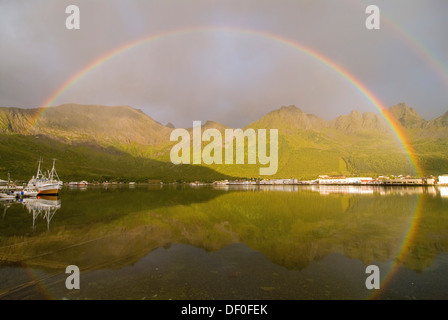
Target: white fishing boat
{"type": "Point", "coordinates": [6, 186]}
{"type": "Point", "coordinates": [7, 189]}
{"type": "Point", "coordinates": [47, 185]}
{"type": "Point", "coordinates": [30, 191]}
{"type": "Point", "coordinates": [8, 195]}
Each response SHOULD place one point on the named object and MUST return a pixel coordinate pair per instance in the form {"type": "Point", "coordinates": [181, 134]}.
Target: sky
{"type": "Point", "coordinates": [214, 62]}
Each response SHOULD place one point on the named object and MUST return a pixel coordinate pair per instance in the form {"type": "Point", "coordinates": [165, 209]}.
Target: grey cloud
{"type": "Point", "coordinates": [228, 77]}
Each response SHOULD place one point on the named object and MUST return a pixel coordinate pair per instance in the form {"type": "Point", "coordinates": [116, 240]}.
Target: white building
{"type": "Point", "coordinates": [332, 180]}
{"type": "Point", "coordinates": [344, 180]}
{"type": "Point", "coordinates": [359, 180]}
{"type": "Point", "coordinates": [443, 179]}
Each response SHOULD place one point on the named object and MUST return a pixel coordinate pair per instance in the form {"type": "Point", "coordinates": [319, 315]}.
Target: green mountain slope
{"type": "Point", "coordinates": [103, 143]}
{"type": "Point", "coordinates": [19, 155]}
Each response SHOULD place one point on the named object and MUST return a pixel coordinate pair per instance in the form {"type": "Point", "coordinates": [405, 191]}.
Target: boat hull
{"type": "Point", "coordinates": [49, 192]}
{"type": "Point", "coordinates": [49, 189]}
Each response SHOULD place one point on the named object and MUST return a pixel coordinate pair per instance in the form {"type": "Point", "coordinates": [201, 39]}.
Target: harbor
{"type": "Point", "coordinates": [49, 183]}
{"type": "Point", "coordinates": [42, 184]}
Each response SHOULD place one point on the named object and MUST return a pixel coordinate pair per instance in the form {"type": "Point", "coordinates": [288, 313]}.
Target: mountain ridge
{"type": "Point", "coordinates": [74, 122]}
{"type": "Point", "coordinates": [355, 143]}
{"type": "Point", "coordinates": [74, 116]}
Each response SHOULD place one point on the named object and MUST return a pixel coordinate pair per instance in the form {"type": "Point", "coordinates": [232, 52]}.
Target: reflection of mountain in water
{"type": "Point", "coordinates": [43, 207]}
{"type": "Point", "coordinates": [117, 227]}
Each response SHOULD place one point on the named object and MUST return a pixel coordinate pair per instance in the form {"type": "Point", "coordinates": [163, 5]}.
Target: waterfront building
{"type": "Point", "coordinates": [443, 179]}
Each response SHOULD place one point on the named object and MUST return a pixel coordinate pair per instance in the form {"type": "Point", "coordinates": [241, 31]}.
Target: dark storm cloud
{"type": "Point", "coordinates": [229, 77]}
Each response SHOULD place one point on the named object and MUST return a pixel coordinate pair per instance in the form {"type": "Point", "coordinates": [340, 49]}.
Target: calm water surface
{"type": "Point", "coordinates": [179, 242]}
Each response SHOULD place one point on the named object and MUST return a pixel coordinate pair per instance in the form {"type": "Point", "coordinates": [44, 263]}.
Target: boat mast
{"type": "Point", "coordinates": [53, 172]}
{"type": "Point", "coordinates": [39, 173]}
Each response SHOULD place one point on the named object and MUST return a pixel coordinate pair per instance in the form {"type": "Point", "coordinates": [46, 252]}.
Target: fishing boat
{"type": "Point", "coordinates": [30, 191]}
{"type": "Point", "coordinates": [6, 186]}
{"type": "Point", "coordinates": [47, 185]}
{"type": "Point", "coordinates": [7, 189]}
{"type": "Point", "coordinates": [10, 195]}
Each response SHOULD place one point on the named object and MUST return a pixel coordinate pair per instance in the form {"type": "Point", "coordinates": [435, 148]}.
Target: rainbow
{"type": "Point", "coordinates": [423, 52]}
{"type": "Point", "coordinates": [404, 250]}
{"type": "Point", "coordinates": [392, 122]}
{"type": "Point", "coordinates": [411, 41]}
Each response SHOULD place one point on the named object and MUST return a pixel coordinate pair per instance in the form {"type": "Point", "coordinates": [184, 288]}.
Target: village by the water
{"type": "Point", "coordinates": [342, 180]}
{"type": "Point", "coordinates": [49, 184]}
